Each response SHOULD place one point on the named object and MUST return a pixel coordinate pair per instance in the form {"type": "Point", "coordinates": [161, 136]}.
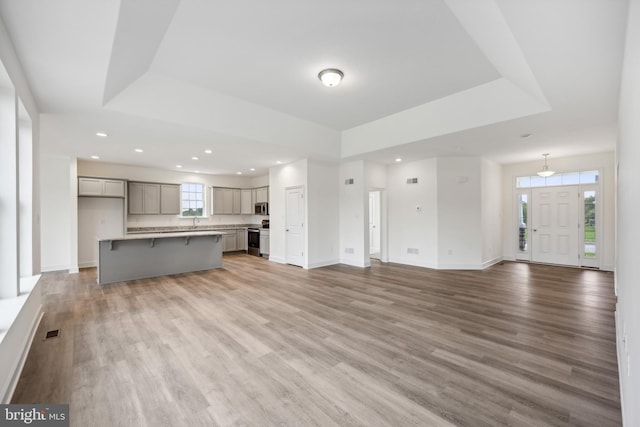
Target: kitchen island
{"type": "Point", "coordinates": [138, 256]}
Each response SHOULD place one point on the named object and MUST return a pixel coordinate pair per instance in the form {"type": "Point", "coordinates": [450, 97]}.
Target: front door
{"type": "Point", "coordinates": [295, 226]}
{"type": "Point", "coordinates": [555, 225]}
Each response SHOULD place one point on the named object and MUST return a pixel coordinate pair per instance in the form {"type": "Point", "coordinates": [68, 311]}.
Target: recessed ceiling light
{"type": "Point", "coordinates": [102, 134]}
{"type": "Point", "coordinates": [239, 173]}
{"type": "Point", "coordinates": [95, 157]}
{"type": "Point", "coordinates": [252, 169]}
{"type": "Point", "coordinates": [278, 162]}
{"type": "Point", "coordinates": [526, 135]}
{"type": "Point", "coordinates": [178, 166]}
{"type": "Point", "coordinates": [398, 159]}
{"type": "Point", "coordinates": [139, 150]}
{"type": "Point", "coordinates": [208, 151]}
{"type": "Point", "coordinates": [194, 158]}
{"type": "Point", "coordinates": [331, 77]}
{"type": "Point", "coordinates": [197, 171]}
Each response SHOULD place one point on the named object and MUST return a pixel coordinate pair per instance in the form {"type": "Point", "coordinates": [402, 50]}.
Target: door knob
{"type": "Point", "coordinates": [287, 229]}
{"type": "Point", "coordinates": [535, 229]}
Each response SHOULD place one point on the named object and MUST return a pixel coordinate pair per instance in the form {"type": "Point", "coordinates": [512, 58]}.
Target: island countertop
{"type": "Point", "coordinates": [139, 236]}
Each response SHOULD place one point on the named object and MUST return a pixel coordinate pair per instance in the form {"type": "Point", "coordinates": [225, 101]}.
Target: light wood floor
{"type": "Point", "coordinates": [262, 344]}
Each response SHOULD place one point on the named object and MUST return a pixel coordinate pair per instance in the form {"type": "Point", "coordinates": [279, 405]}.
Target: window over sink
{"type": "Point", "coordinates": [192, 199]}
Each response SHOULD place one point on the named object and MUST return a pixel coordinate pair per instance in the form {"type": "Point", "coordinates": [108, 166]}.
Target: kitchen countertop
{"type": "Point", "coordinates": [139, 235]}
{"type": "Point", "coordinates": [187, 229]}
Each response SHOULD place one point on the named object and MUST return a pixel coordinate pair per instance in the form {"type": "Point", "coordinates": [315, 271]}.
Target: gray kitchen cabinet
{"type": "Point", "coordinates": [222, 201]}
{"type": "Point", "coordinates": [144, 198]}
{"type": "Point", "coordinates": [264, 241]}
{"type": "Point", "coordinates": [241, 239]}
{"type": "Point", "coordinates": [237, 201]}
{"type": "Point", "coordinates": [169, 199]}
{"type": "Point", "coordinates": [262, 195]}
{"type": "Point", "coordinates": [229, 241]}
{"type": "Point", "coordinates": [100, 187]}
{"type": "Point", "coordinates": [246, 202]}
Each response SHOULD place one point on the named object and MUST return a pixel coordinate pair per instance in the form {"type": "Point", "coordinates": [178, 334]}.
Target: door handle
{"type": "Point", "coordinates": [535, 229]}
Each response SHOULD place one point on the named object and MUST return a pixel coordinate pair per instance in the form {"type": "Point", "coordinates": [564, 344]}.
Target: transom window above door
{"type": "Point", "coordinates": [569, 178]}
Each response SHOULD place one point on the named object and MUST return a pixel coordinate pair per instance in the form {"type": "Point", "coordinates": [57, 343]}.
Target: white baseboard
{"type": "Point", "coordinates": [87, 264]}
{"type": "Point", "coordinates": [491, 262]}
{"type": "Point", "coordinates": [361, 264]}
{"type": "Point", "coordinates": [415, 263]}
{"type": "Point", "coordinates": [58, 267]}
{"type": "Point", "coordinates": [277, 259]}
{"type": "Point", "coordinates": [323, 263]}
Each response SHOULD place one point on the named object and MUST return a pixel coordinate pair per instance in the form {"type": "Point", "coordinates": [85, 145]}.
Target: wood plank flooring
{"type": "Point", "coordinates": [263, 344]}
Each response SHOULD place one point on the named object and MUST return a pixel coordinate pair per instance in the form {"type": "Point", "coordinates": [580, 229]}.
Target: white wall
{"type": "Point", "coordinates": [628, 206]}
{"type": "Point", "coordinates": [491, 206]}
{"type": "Point", "coordinates": [409, 228]}
{"type": "Point", "coordinates": [280, 178]}
{"type": "Point", "coordinates": [323, 223]}
{"type": "Point", "coordinates": [56, 212]}
{"type": "Point", "coordinates": [354, 203]}
{"type": "Point", "coordinates": [459, 212]}
{"type": "Point", "coordinates": [602, 161]}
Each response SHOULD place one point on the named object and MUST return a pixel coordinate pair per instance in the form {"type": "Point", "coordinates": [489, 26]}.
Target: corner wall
{"type": "Point", "coordinates": [628, 236]}
{"type": "Point", "coordinates": [323, 217]}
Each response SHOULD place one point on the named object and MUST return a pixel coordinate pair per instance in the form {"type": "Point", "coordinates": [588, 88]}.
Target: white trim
{"type": "Point", "coordinates": [413, 262]}
{"type": "Point", "coordinates": [74, 270]}
{"type": "Point", "coordinates": [360, 263]}
{"type": "Point", "coordinates": [87, 264]}
{"type": "Point", "coordinates": [491, 262]}
{"type": "Point", "coordinates": [620, 357]}
{"type": "Point", "coordinates": [322, 264]}
{"type": "Point", "coordinates": [55, 267]}
{"type": "Point", "coordinates": [460, 267]}
{"type": "Point", "coordinates": [277, 259]}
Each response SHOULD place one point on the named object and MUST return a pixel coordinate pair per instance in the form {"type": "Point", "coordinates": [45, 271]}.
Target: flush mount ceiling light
{"type": "Point", "coordinates": [545, 172]}
{"type": "Point", "coordinates": [102, 134]}
{"type": "Point", "coordinates": [331, 77]}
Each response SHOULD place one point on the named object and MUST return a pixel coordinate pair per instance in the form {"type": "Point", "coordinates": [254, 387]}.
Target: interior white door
{"type": "Point", "coordinates": [374, 223]}
{"type": "Point", "coordinates": [555, 225]}
{"type": "Point", "coordinates": [294, 223]}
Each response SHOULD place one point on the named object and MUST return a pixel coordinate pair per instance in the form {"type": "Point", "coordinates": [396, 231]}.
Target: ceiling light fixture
{"type": "Point", "coordinates": [138, 150]}
{"type": "Point", "coordinates": [95, 157]}
{"type": "Point", "coordinates": [194, 158]}
{"type": "Point", "coordinates": [239, 173]}
{"type": "Point", "coordinates": [331, 77]}
{"type": "Point", "coordinates": [252, 169]}
{"type": "Point", "coordinates": [102, 134]}
{"type": "Point", "coordinates": [178, 166]}
{"type": "Point", "coordinates": [398, 159]}
{"type": "Point", "coordinates": [278, 162]}
{"type": "Point", "coordinates": [208, 151]}
{"type": "Point", "coordinates": [545, 172]}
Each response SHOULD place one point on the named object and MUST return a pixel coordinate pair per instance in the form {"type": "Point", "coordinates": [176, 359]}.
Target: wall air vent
{"type": "Point", "coordinates": [348, 181]}
{"type": "Point", "coordinates": [412, 180]}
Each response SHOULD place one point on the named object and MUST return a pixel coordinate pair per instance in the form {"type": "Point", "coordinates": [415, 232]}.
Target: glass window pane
{"type": "Point", "coordinates": [589, 177]}
{"type": "Point", "coordinates": [522, 222]}
{"type": "Point", "coordinates": [571, 178]}
{"type": "Point", "coordinates": [554, 180]}
{"type": "Point", "coordinates": [523, 182]}
{"type": "Point", "coordinates": [589, 198]}
{"type": "Point", "coordinates": [537, 181]}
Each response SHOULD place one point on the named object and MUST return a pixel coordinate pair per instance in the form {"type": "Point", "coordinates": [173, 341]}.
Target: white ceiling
{"type": "Point", "coordinates": [422, 78]}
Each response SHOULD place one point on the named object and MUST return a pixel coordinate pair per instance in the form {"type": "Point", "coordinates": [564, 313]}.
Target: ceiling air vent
{"type": "Point", "coordinates": [412, 180]}
{"type": "Point", "coordinates": [348, 181]}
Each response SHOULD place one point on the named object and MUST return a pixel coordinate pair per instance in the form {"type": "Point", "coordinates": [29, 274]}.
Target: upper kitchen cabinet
{"type": "Point", "coordinates": [169, 199]}
{"type": "Point", "coordinates": [246, 202]}
{"type": "Point", "coordinates": [100, 187]}
{"type": "Point", "coordinates": [154, 199]}
{"type": "Point", "coordinates": [262, 195]}
{"type": "Point", "coordinates": [226, 201]}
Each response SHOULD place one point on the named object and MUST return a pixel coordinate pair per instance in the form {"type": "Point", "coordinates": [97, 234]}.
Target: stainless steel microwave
{"type": "Point", "coordinates": [262, 208]}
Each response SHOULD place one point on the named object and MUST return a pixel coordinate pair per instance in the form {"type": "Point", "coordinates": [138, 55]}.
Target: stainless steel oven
{"type": "Point", "coordinates": [253, 241]}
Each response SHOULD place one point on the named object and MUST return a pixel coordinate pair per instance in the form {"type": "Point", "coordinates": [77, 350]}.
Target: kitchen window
{"type": "Point", "coordinates": [192, 199]}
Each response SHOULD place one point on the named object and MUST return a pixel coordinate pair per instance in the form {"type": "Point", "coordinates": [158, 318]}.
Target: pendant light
{"type": "Point", "coordinates": [545, 172]}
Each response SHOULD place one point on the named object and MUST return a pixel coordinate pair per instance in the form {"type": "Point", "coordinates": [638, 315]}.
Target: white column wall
{"type": "Point", "coordinates": [354, 238]}
{"type": "Point", "coordinates": [491, 205]}
{"type": "Point", "coordinates": [323, 203]}
{"type": "Point", "coordinates": [410, 229]}
{"type": "Point", "coordinates": [628, 235]}
{"type": "Point", "coordinates": [459, 213]}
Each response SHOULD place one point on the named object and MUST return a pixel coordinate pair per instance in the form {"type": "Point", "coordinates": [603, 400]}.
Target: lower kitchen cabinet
{"type": "Point", "coordinates": [229, 242]}
{"type": "Point", "coordinates": [241, 239]}
{"type": "Point", "coordinates": [264, 242]}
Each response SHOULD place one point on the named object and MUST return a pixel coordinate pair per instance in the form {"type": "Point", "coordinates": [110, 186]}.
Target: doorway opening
{"type": "Point", "coordinates": [374, 224]}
